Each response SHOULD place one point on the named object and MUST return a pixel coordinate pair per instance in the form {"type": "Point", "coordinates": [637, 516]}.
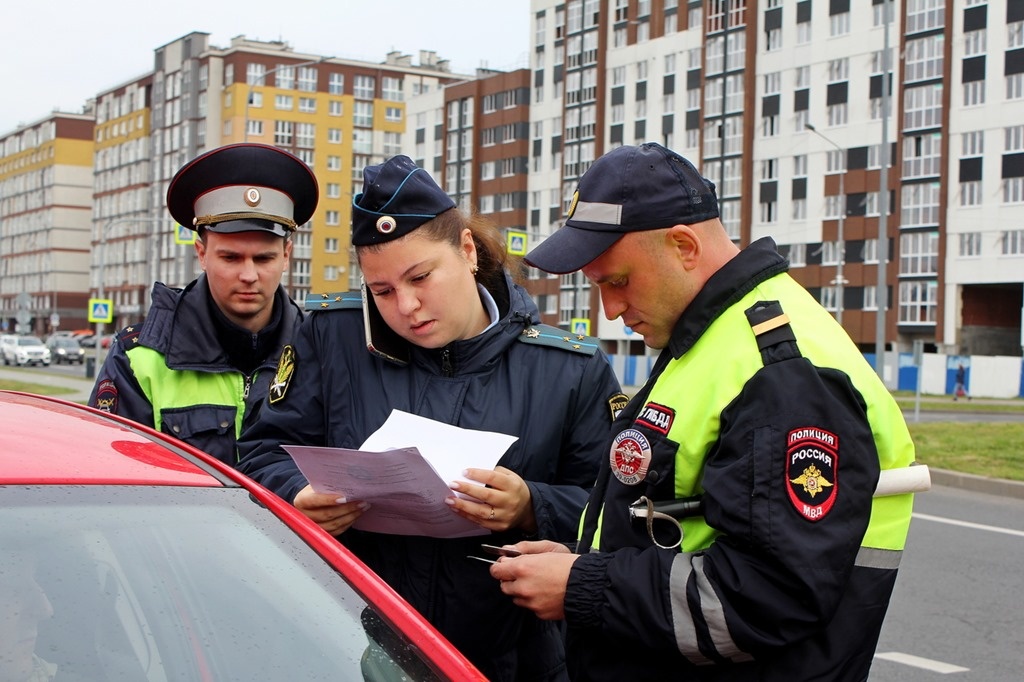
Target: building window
{"type": "Point", "coordinates": [925, 15]}
{"type": "Point", "coordinates": [335, 108]}
{"type": "Point", "coordinates": [283, 102]}
{"type": "Point", "coordinates": [919, 253]}
{"type": "Point", "coordinates": [334, 163]}
{"type": "Point", "coordinates": [255, 74]}
{"type": "Point", "coordinates": [918, 302]}
{"type": "Point", "coordinates": [922, 155]}
{"type": "Point", "coordinates": [333, 190]}
{"type": "Point", "coordinates": [798, 255]}
{"type": "Point", "coordinates": [970, 244]}
{"type": "Point", "coordinates": [283, 132]}
{"type": "Point", "coordinates": [1015, 86]}
{"type": "Point", "coordinates": [307, 78]}
{"type": "Point", "coordinates": [391, 89]}
{"type": "Point", "coordinates": [799, 209]}
{"type": "Point", "coordinates": [334, 135]}
{"type": "Point", "coordinates": [923, 60]}
{"type": "Point", "coordinates": [331, 245]}
{"type": "Point", "coordinates": [923, 106]}
{"type": "Point", "coordinates": [839, 24]}
{"type": "Point", "coordinates": [307, 105]}
{"type": "Point", "coordinates": [362, 114]}
{"type": "Point", "coordinates": [1013, 242]}
{"type": "Point", "coordinates": [970, 193]}
{"type": "Point", "coordinates": [285, 77]}
{"type": "Point", "coordinates": [331, 273]}
{"type": "Point", "coordinates": [364, 87]}
{"type": "Point", "coordinates": [974, 93]}
{"type": "Point", "coordinates": [336, 84]}
{"type": "Point", "coordinates": [920, 205]}
{"type": "Point", "coordinates": [332, 218]}
{"type": "Point", "coordinates": [1013, 190]}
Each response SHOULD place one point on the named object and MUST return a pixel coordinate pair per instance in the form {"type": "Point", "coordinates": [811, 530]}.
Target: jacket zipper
{"type": "Point", "coordinates": [446, 363]}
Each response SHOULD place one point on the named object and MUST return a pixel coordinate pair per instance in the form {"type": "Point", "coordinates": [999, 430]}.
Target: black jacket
{"type": "Point", "coordinates": [556, 400]}
{"type": "Point", "coordinates": [194, 338]}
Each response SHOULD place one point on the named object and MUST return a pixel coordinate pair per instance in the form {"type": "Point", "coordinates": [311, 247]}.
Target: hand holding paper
{"type": "Point", "coordinates": [404, 470]}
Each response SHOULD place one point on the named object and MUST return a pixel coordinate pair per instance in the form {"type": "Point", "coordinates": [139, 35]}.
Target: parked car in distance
{"type": "Point", "coordinates": [24, 350]}
{"type": "Point", "coordinates": [155, 561]}
{"type": "Point", "coordinates": [65, 349]}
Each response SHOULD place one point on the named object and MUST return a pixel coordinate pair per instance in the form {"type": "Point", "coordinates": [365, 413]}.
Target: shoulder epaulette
{"type": "Point", "coordinates": [546, 335]}
{"type": "Point", "coordinates": [129, 336]}
{"type": "Point", "coordinates": [345, 300]}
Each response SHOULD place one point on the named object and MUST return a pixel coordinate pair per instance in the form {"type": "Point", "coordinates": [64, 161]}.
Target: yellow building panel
{"type": "Point", "coordinates": [123, 129]}
{"type": "Point", "coordinates": [73, 152]}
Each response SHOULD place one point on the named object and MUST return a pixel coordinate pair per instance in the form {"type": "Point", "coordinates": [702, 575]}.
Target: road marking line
{"type": "Point", "coordinates": [918, 662]}
{"type": "Point", "coordinates": [968, 524]}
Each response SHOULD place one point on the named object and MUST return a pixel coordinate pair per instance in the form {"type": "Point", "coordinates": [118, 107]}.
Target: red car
{"type": "Point", "coordinates": [126, 555]}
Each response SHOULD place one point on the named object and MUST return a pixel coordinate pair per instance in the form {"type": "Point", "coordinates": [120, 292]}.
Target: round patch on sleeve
{"type": "Point", "coordinates": [812, 460]}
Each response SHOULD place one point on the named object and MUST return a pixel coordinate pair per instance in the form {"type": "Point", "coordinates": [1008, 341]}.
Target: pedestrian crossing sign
{"type": "Point", "coordinates": [184, 235]}
{"type": "Point", "coordinates": [101, 310]}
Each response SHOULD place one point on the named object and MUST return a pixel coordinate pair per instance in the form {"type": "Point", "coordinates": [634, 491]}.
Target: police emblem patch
{"type": "Point", "coordinates": [285, 371]}
{"type": "Point", "coordinates": [617, 403]}
{"type": "Point", "coordinates": [657, 417]}
{"type": "Point", "coordinates": [630, 456]}
{"type": "Point", "coordinates": [812, 460]}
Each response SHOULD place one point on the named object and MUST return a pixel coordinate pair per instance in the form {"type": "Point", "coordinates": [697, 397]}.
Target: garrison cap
{"type": "Point", "coordinates": [243, 187]}
{"type": "Point", "coordinates": [629, 189]}
{"type": "Point", "coordinates": [398, 196]}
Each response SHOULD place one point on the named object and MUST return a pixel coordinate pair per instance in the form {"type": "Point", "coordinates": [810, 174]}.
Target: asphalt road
{"type": "Point", "coordinates": [958, 608]}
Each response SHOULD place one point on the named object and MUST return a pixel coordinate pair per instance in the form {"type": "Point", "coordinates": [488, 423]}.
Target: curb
{"type": "Point", "coordinates": [979, 484]}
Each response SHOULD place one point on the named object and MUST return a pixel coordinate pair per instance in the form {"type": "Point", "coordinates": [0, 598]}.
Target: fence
{"type": "Point", "coordinates": [986, 376]}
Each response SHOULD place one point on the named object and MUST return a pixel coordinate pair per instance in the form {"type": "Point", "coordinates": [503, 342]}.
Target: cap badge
{"type": "Point", "coordinates": [386, 224]}
{"type": "Point", "coordinates": [252, 196]}
{"type": "Point", "coordinates": [572, 205]}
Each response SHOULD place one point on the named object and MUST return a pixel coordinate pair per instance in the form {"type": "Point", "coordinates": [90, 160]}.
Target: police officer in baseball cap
{"type": "Point", "coordinates": [205, 355]}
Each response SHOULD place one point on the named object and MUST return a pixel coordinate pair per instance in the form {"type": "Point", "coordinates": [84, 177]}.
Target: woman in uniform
{"type": "Point", "coordinates": [442, 331]}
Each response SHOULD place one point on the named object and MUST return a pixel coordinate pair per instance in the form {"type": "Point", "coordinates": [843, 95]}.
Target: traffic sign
{"type": "Point", "coordinates": [101, 310]}
{"type": "Point", "coordinates": [184, 235]}
{"type": "Point", "coordinates": [516, 243]}
{"type": "Point", "coordinates": [581, 325]}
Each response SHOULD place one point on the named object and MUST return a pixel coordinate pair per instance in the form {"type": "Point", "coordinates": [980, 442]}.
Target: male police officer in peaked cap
{"type": "Point", "coordinates": [204, 357]}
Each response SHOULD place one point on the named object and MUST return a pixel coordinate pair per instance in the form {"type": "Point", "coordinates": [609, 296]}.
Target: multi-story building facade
{"type": "Point", "coordinates": [791, 108]}
{"type": "Point", "coordinates": [800, 112]}
{"type": "Point", "coordinates": [45, 217]}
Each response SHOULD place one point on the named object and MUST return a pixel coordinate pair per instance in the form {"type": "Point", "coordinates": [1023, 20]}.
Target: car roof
{"type": "Point", "coordinates": [77, 445]}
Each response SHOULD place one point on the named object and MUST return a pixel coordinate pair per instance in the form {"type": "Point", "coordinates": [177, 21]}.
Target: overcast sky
{"type": "Point", "coordinates": [56, 54]}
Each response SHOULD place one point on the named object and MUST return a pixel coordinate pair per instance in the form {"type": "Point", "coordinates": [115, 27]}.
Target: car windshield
{"type": "Point", "coordinates": [65, 342]}
{"type": "Point", "coordinates": [160, 583]}
{"type": "Point", "coordinates": [29, 341]}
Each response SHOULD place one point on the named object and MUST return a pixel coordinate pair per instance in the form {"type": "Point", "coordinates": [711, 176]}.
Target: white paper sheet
{"type": "Point", "coordinates": [406, 485]}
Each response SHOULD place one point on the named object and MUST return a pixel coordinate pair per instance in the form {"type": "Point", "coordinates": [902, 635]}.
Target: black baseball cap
{"type": "Point", "coordinates": [629, 189]}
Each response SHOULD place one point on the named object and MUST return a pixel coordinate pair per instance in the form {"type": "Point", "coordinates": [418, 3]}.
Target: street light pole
{"type": "Point", "coordinates": [882, 282]}
{"type": "Point", "coordinates": [101, 266]}
{"type": "Point", "coordinates": [841, 245]}
{"type": "Point", "coordinates": [248, 94]}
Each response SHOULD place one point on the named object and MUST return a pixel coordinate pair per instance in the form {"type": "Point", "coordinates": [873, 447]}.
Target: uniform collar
{"type": "Point", "coordinates": [751, 266]}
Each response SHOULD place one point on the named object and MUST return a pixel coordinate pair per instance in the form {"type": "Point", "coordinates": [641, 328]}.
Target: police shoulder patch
{"type": "Point", "coordinates": [106, 396]}
{"type": "Point", "coordinates": [344, 300]}
{"type": "Point", "coordinates": [812, 464]}
{"type": "Point", "coordinates": [617, 403]}
{"type": "Point", "coordinates": [283, 377]}
{"type": "Point", "coordinates": [553, 337]}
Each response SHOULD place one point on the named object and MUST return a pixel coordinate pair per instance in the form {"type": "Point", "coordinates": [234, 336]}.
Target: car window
{"type": "Point", "coordinates": [29, 341]}
{"type": "Point", "coordinates": [197, 584]}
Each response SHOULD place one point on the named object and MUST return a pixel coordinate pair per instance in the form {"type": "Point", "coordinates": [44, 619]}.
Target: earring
{"type": "Point", "coordinates": [476, 269]}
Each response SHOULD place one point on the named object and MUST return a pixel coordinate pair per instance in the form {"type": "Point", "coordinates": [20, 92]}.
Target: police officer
{"type": "Point", "coordinates": [204, 357]}
{"type": "Point", "coordinates": [732, 533]}
{"type": "Point", "coordinates": [441, 331]}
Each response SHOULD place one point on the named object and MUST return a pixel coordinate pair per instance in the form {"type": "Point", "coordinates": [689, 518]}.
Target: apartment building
{"type": "Point", "coordinates": [45, 219]}
{"type": "Point", "coordinates": [792, 108]}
